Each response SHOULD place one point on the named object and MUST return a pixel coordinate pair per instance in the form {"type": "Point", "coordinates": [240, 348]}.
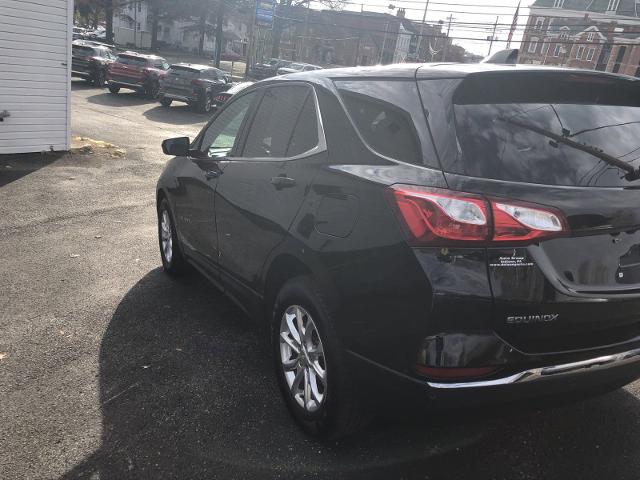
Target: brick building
{"type": "Point", "coordinates": [584, 34]}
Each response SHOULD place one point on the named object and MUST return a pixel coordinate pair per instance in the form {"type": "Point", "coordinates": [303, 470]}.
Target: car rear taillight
{"type": "Point", "coordinates": [220, 98]}
{"type": "Point", "coordinates": [431, 216]}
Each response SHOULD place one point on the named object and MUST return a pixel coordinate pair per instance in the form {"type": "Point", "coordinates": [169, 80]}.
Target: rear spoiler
{"type": "Point", "coordinates": [509, 57]}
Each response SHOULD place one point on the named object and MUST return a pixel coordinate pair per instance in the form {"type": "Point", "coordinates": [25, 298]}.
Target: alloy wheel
{"type": "Point", "coordinates": [302, 357]}
{"type": "Point", "coordinates": [166, 239]}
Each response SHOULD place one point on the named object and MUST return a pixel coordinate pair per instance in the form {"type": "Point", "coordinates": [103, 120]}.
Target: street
{"type": "Point", "coordinates": [109, 369]}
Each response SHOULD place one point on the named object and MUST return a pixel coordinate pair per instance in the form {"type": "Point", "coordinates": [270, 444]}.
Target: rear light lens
{"type": "Point", "coordinates": [513, 222]}
{"type": "Point", "coordinates": [433, 217]}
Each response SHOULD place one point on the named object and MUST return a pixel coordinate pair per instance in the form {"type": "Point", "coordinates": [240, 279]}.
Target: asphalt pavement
{"type": "Point", "coordinates": [111, 370]}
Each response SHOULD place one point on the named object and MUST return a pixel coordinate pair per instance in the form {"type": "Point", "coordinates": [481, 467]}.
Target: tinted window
{"type": "Point", "coordinates": [131, 60]}
{"type": "Point", "coordinates": [274, 122]}
{"type": "Point", "coordinates": [305, 133]}
{"type": "Point", "coordinates": [385, 113]}
{"type": "Point", "coordinates": [182, 72]}
{"type": "Point", "coordinates": [221, 134]}
{"type": "Point", "coordinates": [82, 51]}
{"type": "Point", "coordinates": [572, 130]}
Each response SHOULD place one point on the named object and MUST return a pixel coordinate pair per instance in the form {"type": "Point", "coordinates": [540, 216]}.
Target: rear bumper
{"type": "Point", "coordinates": [177, 98]}
{"type": "Point", "coordinates": [132, 86]}
{"type": "Point", "coordinates": [81, 74]}
{"type": "Point", "coordinates": [599, 373]}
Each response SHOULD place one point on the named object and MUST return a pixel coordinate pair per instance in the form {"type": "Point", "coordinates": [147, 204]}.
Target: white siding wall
{"type": "Point", "coordinates": [35, 69]}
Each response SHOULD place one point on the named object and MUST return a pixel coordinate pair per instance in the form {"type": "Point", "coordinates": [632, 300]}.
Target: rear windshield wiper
{"type": "Point", "coordinates": [632, 173]}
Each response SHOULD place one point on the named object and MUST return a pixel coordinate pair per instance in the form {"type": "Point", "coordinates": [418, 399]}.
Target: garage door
{"type": "Point", "coordinates": [35, 59]}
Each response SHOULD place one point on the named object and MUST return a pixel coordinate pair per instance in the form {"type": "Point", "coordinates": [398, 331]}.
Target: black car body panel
{"type": "Point", "coordinates": [498, 312]}
{"type": "Point", "coordinates": [190, 83]}
{"type": "Point", "coordinates": [89, 59]}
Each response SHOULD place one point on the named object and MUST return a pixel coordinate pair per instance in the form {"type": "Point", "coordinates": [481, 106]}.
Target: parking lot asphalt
{"type": "Point", "coordinates": [110, 370]}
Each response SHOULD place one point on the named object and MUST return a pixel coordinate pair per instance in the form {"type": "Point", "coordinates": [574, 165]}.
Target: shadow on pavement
{"type": "Point", "coordinates": [16, 166]}
{"type": "Point", "coordinates": [125, 98]}
{"type": "Point", "coordinates": [187, 390]}
{"type": "Point", "coordinates": [176, 114]}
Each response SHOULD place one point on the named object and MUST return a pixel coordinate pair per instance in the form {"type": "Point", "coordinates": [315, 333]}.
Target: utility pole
{"type": "Point", "coordinates": [135, 24]}
{"type": "Point", "coordinates": [493, 36]}
{"type": "Point", "coordinates": [219, 33]}
{"type": "Point", "coordinates": [251, 41]}
{"type": "Point", "coordinates": [424, 18]}
{"type": "Point", "coordinates": [355, 62]}
{"type": "Point", "coordinates": [306, 31]}
{"type": "Point", "coordinates": [447, 40]}
{"type": "Point", "coordinates": [384, 42]}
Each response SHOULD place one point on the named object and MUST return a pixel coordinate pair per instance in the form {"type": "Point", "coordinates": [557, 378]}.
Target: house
{"type": "Point", "coordinates": [584, 34]}
{"type": "Point", "coordinates": [132, 27]}
{"type": "Point", "coordinates": [35, 77]}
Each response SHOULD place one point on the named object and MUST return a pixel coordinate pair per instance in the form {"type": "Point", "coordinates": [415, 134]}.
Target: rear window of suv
{"type": "Point", "coordinates": [183, 72]}
{"type": "Point", "coordinates": [554, 129]}
{"type": "Point", "coordinates": [81, 51]}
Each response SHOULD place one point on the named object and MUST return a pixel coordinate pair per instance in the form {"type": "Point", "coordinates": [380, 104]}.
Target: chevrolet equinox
{"type": "Point", "coordinates": [460, 233]}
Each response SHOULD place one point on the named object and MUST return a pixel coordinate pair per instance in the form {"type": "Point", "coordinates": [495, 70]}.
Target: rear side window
{"type": "Point", "coordinates": [385, 112]}
{"type": "Point", "coordinates": [573, 130]}
{"type": "Point", "coordinates": [305, 133]}
{"type": "Point", "coordinates": [275, 121]}
{"type": "Point", "coordinates": [131, 60]}
{"type": "Point", "coordinates": [81, 51]}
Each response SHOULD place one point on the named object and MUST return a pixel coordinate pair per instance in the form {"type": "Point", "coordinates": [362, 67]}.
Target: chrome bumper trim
{"type": "Point", "coordinates": [599, 363]}
{"type": "Point", "coordinates": [131, 86]}
{"type": "Point", "coordinates": [179, 98]}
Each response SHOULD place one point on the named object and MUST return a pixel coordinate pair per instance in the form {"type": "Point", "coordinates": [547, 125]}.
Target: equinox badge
{"type": "Point", "coordinates": [516, 319]}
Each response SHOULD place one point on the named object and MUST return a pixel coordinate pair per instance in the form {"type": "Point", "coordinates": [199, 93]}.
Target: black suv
{"type": "Point", "coordinates": [91, 61]}
{"type": "Point", "coordinates": [193, 84]}
{"type": "Point", "coordinates": [466, 233]}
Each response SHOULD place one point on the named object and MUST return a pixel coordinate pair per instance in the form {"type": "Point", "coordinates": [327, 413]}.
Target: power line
{"type": "Point", "coordinates": [350, 27]}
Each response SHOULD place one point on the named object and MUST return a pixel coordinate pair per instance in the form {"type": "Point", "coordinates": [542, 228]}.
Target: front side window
{"type": "Point", "coordinates": [220, 136]}
{"type": "Point", "coordinates": [275, 120]}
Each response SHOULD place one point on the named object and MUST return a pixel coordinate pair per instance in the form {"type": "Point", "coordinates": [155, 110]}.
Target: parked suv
{"type": "Point", "coordinates": [193, 84]}
{"type": "Point", "coordinates": [91, 62]}
{"type": "Point", "coordinates": [461, 233]}
{"type": "Point", "coordinates": [260, 71]}
{"type": "Point", "coordinates": [137, 72]}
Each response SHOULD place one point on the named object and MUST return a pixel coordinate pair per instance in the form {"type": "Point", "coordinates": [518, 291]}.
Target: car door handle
{"type": "Point", "coordinates": [282, 181]}
{"type": "Point", "coordinates": [211, 174]}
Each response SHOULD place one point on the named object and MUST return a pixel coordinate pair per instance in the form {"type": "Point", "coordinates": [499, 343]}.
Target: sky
{"type": "Point", "coordinates": [472, 19]}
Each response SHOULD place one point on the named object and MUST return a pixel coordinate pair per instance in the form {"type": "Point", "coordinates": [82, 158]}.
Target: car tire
{"type": "Point", "coordinates": [152, 90]}
{"type": "Point", "coordinates": [206, 104]}
{"type": "Point", "coordinates": [99, 79]}
{"type": "Point", "coordinates": [173, 261]}
{"type": "Point", "coordinates": [329, 407]}
{"type": "Point", "coordinates": [113, 89]}
{"type": "Point", "coordinates": [165, 102]}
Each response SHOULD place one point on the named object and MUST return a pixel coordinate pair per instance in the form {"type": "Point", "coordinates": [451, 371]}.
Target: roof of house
{"type": "Point", "coordinates": [628, 8]}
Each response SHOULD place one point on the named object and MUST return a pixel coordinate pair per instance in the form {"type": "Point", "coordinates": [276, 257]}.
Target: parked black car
{"type": "Point", "coordinates": [137, 72]}
{"type": "Point", "coordinates": [91, 61]}
{"type": "Point", "coordinates": [193, 84]}
{"type": "Point", "coordinates": [222, 97]}
{"type": "Point", "coordinates": [462, 233]}
{"type": "Point", "coordinates": [260, 71]}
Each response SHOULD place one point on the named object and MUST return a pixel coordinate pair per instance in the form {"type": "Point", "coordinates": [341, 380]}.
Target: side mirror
{"type": "Point", "coordinates": [178, 147]}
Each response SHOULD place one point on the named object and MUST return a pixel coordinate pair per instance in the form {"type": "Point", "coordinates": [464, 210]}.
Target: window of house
{"type": "Point", "coordinates": [539, 23]}
{"type": "Point", "coordinates": [590, 37]}
{"type": "Point", "coordinates": [580, 52]}
{"type": "Point", "coordinates": [558, 3]}
{"type": "Point", "coordinates": [275, 123]}
{"type": "Point", "coordinates": [556, 51]}
{"type": "Point", "coordinates": [139, 6]}
{"type": "Point", "coordinates": [613, 5]}
{"type": "Point", "coordinates": [590, 53]}
{"type": "Point", "coordinates": [533, 45]}
{"type": "Point", "coordinates": [545, 47]}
